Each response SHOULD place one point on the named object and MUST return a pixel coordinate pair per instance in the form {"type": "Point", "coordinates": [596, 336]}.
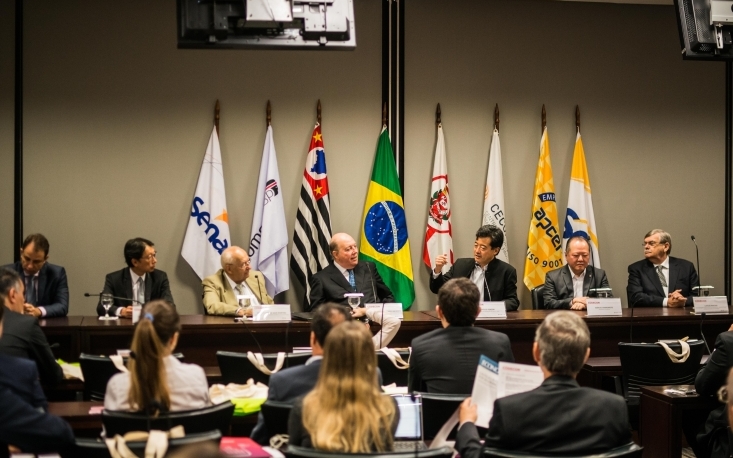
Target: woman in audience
{"type": "Point", "coordinates": [157, 381]}
{"type": "Point", "coordinates": [346, 411]}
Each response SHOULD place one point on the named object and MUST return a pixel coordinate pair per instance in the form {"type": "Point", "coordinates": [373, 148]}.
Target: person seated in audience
{"type": "Point", "coordinates": [23, 337]}
{"type": "Point", "coordinates": [23, 425]}
{"type": "Point", "coordinates": [346, 411]}
{"type": "Point", "coordinates": [46, 288]}
{"type": "Point", "coordinates": [138, 283]}
{"type": "Point", "coordinates": [235, 278]}
{"type": "Point", "coordinates": [157, 381]}
{"type": "Point", "coordinates": [445, 360]}
{"type": "Point", "coordinates": [293, 382]}
{"type": "Point", "coordinates": [20, 376]}
{"type": "Point", "coordinates": [568, 287]}
{"type": "Point", "coordinates": [558, 417]}
{"type": "Point", "coordinates": [495, 279]}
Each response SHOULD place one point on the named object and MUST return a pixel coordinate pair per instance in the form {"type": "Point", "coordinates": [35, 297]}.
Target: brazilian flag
{"type": "Point", "coordinates": [384, 229]}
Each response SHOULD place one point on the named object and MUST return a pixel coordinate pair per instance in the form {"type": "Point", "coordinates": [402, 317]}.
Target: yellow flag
{"type": "Point", "coordinates": [544, 242]}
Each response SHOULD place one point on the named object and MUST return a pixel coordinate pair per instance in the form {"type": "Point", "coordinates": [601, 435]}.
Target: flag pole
{"type": "Point", "coordinates": [269, 114]}
{"type": "Point", "coordinates": [437, 116]}
{"type": "Point", "coordinates": [496, 117]}
{"type": "Point", "coordinates": [216, 116]}
{"type": "Point", "coordinates": [384, 114]}
{"type": "Point", "coordinates": [318, 112]}
{"type": "Point", "coordinates": [577, 118]}
{"type": "Point", "coordinates": [544, 118]}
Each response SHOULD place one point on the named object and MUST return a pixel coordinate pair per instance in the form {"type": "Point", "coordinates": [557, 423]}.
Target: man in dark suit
{"type": "Point", "coordinates": [568, 287]}
{"type": "Point", "coordinates": [347, 275]}
{"type": "Point", "coordinates": [660, 280]}
{"type": "Point", "coordinates": [290, 383]}
{"type": "Point", "coordinates": [22, 424]}
{"type": "Point", "coordinates": [20, 376]}
{"type": "Point", "coordinates": [445, 360]}
{"type": "Point", "coordinates": [138, 283]}
{"type": "Point", "coordinates": [46, 288]}
{"type": "Point", "coordinates": [495, 279]}
{"type": "Point", "coordinates": [23, 337]}
{"type": "Point", "coordinates": [559, 416]}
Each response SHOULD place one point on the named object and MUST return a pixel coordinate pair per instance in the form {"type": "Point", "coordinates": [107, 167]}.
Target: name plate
{"type": "Point", "coordinates": [391, 309]}
{"type": "Point", "coordinates": [493, 309]}
{"type": "Point", "coordinates": [599, 306]}
{"type": "Point", "coordinates": [273, 312]}
{"type": "Point", "coordinates": [711, 304]}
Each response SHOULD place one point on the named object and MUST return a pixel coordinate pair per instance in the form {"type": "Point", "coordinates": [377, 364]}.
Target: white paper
{"type": "Point", "coordinates": [493, 309]}
{"type": "Point", "coordinates": [391, 309]}
{"type": "Point", "coordinates": [604, 306]}
{"type": "Point", "coordinates": [711, 304]}
{"type": "Point", "coordinates": [517, 378]}
{"type": "Point", "coordinates": [273, 312]}
{"type": "Point", "coordinates": [483, 394]}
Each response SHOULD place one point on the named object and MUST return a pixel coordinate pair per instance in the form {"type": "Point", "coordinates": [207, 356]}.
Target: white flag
{"type": "Point", "coordinates": [439, 234]}
{"type": "Point", "coordinates": [579, 218]}
{"type": "Point", "coordinates": [207, 234]}
{"type": "Point", "coordinates": [268, 247]}
{"type": "Point", "coordinates": [494, 210]}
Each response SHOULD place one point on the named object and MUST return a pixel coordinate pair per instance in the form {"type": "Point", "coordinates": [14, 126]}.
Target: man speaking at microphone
{"type": "Point", "coordinates": [235, 278]}
{"type": "Point", "coordinates": [495, 279]}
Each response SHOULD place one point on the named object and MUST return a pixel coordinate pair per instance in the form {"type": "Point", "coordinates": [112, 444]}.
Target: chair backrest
{"type": "Point", "coordinates": [538, 298]}
{"type": "Point", "coordinates": [649, 365]}
{"type": "Point", "coordinates": [276, 416]}
{"type": "Point", "coordinates": [96, 448]}
{"type": "Point", "coordinates": [236, 368]}
{"type": "Point", "coordinates": [629, 450]}
{"type": "Point", "coordinates": [302, 452]}
{"type": "Point", "coordinates": [390, 373]}
{"type": "Point", "coordinates": [193, 421]}
{"type": "Point", "coordinates": [436, 410]}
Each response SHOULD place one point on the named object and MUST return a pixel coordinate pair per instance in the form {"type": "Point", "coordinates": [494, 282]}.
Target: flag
{"type": "Point", "coordinates": [579, 218]}
{"type": "Point", "coordinates": [384, 238]}
{"type": "Point", "coordinates": [439, 235]}
{"type": "Point", "coordinates": [268, 246]}
{"type": "Point", "coordinates": [544, 242]}
{"type": "Point", "coordinates": [312, 232]}
{"type": "Point", "coordinates": [494, 209]}
{"type": "Point", "coordinates": [207, 233]}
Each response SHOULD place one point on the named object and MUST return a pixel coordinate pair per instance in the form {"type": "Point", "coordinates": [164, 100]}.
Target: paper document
{"type": "Point", "coordinates": [517, 378]}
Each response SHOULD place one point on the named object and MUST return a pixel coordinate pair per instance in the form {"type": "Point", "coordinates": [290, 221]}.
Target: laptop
{"type": "Point", "coordinates": [409, 434]}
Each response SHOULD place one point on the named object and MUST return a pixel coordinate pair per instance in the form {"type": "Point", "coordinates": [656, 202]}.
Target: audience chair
{"type": "Point", "coordinates": [629, 450]}
{"type": "Point", "coordinates": [437, 409]}
{"type": "Point", "coordinates": [236, 368]}
{"type": "Point", "coordinates": [538, 298]}
{"type": "Point", "coordinates": [96, 448]}
{"type": "Point", "coordinates": [193, 421]}
{"type": "Point", "coordinates": [302, 452]}
{"type": "Point", "coordinates": [276, 414]}
{"type": "Point", "coordinates": [390, 373]}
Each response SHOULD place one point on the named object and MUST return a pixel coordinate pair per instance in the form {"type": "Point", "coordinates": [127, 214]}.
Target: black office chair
{"type": "Point", "coordinates": [96, 448]}
{"type": "Point", "coordinates": [390, 372]}
{"type": "Point", "coordinates": [193, 421]}
{"type": "Point", "coordinates": [276, 416]}
{"type": "Point", "coordinates": [627, 451]}
{"type": "Point", "coordinates": [236, 368]}
{"type": "Point", "coordinates": [302, 452]}
{"type": "Point", "coordinates": [538, 298]}
{"type": "Point", "coordinates": [437, 409]}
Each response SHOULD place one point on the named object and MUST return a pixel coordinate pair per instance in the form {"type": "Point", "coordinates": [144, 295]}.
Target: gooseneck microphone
{"type": "Point", "coordinates": [371, 278]}
{"type": "Point", "coordinates": [113, 297]}
{"type": "Point", "coordinates": [376, 298]}
{"type": "Point", "coordinates": [592, 270]}
{"type": "Point", "coordinates": [702, 317]}
{"type": "Point", "coordinates": [697, 252]}
{"type": "Point", "coordinates": [259, 288]}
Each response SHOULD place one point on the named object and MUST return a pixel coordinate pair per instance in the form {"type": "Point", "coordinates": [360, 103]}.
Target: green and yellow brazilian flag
{"type": "Point", "coordinates": [384, 228]}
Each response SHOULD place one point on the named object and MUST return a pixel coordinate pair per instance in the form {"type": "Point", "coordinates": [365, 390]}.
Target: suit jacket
{"type": "Point", "coordinates": [53, 288]}
{"type": "Point", "coordinates": [557, 417]}
{"type": "Point", "coordinates": [29, 429]}
{"type": "Point", "coordinates": [119, 284]}
{"type": "Point", "coordinates": [559, 291]}
{"type": "Point", "coordinates": [287, 385]}
{"type": "Point", "coordinates": [713, 438]}
{"type": "Point", "coordinates": [445, 360]}
{"type": "Point", "coordinates": [22, 337]}
{"type": "Point", "coordinates": [501, 279]}
{"type": "Point", "coordinates": [329, 285]}
{"type": "Point", "coordinates": [20, 376]}
{"type": "Point", "coordinates": [645, 290]}
{"type": "Point", "coordinates": [219, 297]}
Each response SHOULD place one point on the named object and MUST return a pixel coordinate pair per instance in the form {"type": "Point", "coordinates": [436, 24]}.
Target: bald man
{"type": "Point", "coordinates": [235, 278]}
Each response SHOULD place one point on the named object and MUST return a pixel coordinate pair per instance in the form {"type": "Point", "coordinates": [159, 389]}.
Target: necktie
{"type": "Point", "coordinates": [239, 289]}
{"type": "Point", "coordinates": [661, 276]}
{"type": "Point", "coordinates": [352, 280]}
{"type": "Point", "coordinates": [30, 290]}
{"type": "Point", "coordinates": [140, 291]}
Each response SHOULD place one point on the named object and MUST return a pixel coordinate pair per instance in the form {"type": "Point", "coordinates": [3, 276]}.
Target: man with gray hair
{"type": "Point", "coordinates": [235, 278]}
{"type": "Point", "coordinates": [559, 416]}
{"type": "Point", "coordinates": [660, 280]}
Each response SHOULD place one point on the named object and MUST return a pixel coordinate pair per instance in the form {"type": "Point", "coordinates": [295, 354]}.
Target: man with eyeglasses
{"type": "Point", "coordinates": [46, 287]}
{"type": "Point", "coordinates": [569, 286]}
{"type": "Point", "coordinates": [660, 280]}
{"type": "Point", "coordinates": [138, 283]}
{"type": "Point", "coordinates": [235, 278]}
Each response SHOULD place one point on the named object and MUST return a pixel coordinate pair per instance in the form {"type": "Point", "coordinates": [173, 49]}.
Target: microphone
{"type": "Point", "coordinates": [699, 290]}
{"type": "Point", "coordinates": [631, 322]}
{"type": "Point", "coordinates": [244, 318]}
{"type": "Point", "coordinates": [371, 278]}
{"type": "Point", "coordinates": [702, 317]}
{"type": "Point", "coordinates": [592, 268]}
{"type": "Point", "coordinates": [485, 282]}
{"type": "Point", "coordinates": [259, 288]}
{"type": "Point", "coordinates": [113, 297]}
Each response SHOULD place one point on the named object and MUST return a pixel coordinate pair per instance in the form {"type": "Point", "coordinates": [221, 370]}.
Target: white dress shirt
{"type": "Point", "coordinates": [577, 283]}
{"type": "Point", "coordinates": [344, 272]}
{"type": "Point", "coordinates": [135, 288]}
{"type": "Point", "coordinates": [246, 290]}
{"type": "Point", "coordinates": [478, 277]}
{"type": "Point", "coordinates": [665, 272]}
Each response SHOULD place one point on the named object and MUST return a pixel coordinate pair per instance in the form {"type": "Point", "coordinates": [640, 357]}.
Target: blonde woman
{"type": "Point", "coordinates": [157, 381]}
{"type": "Point", "coordinates": [346, 411]}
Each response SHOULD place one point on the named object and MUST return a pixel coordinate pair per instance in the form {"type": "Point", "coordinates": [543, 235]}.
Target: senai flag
{"type": "Point", "coordinates": [384, 230]}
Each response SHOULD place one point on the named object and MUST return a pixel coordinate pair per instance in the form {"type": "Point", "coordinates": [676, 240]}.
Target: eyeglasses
{"type": "Point", "coordinates": [651, 244]}
{"type": "Point", "coordinates": [150, 256]}
{"type": "Point", "coordinates": [723, 394]}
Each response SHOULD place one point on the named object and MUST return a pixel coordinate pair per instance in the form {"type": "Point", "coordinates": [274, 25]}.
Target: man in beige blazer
{"type": "Point", "coordinates": [235, 278]}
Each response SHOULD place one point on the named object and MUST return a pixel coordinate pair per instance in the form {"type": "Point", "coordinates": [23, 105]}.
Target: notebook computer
{"type": "Point", "coordinates": [409, 434]}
